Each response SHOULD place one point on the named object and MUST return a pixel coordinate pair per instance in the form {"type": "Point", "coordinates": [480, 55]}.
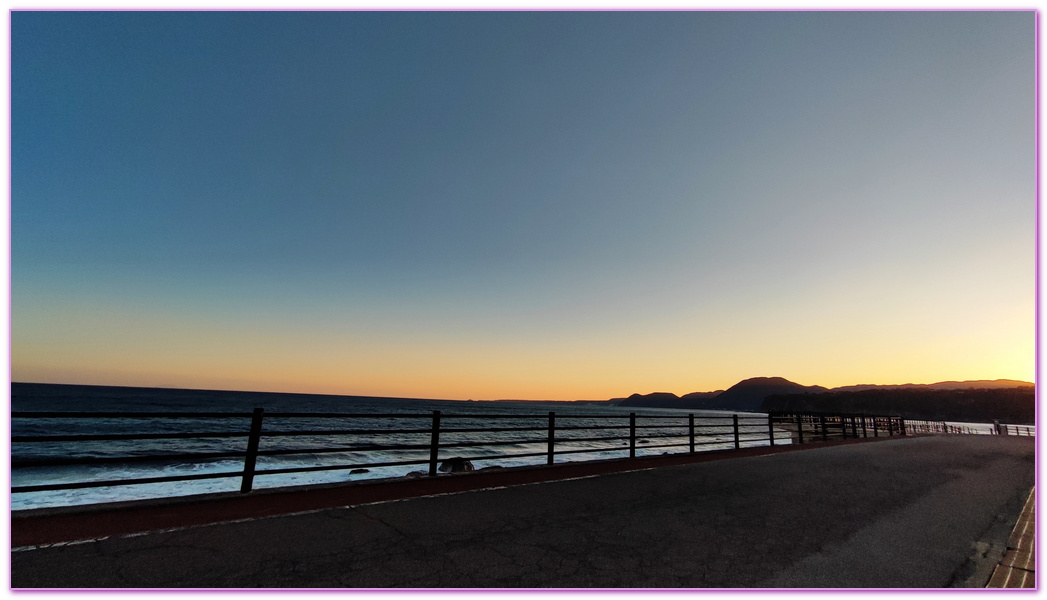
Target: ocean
{"type": "Point", "coordinates": [309, 440]}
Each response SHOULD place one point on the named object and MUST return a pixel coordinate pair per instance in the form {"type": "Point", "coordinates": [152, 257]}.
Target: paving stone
{"type": "Point", "coordinates": [1019, 559]}
{"type": "Point", "coordinates": [1018, 566]}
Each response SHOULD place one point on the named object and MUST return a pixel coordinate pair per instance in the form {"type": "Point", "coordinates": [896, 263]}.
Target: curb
{"type": "Point", "coordinates": [1018, 567]}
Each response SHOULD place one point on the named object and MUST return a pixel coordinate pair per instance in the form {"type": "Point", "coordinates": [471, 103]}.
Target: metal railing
{"type": "Point", "coordinates": [994, 428]}
{"type": "Point", "coordinates": [349, 441]}
{"type": "Point", "coordinates": [1029, 430]}
{"type": "Point", "coordinates": [809, 427]}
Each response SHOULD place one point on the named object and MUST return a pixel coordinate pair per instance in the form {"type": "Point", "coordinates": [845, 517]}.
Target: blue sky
{"type": "Point", "coordinates": [544, 205]}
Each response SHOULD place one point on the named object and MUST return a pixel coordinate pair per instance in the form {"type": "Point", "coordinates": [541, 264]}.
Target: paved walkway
{"type": "Point", "coordinates": [933, 511]}
{"type": "Point", "coordinates": [1018, 567]}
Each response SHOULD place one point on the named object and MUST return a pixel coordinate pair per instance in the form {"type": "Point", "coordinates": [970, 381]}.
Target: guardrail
{"type": "Point", "coordinates": [938, 427]}
{"type": "Point", "coordinates": [1029, 430]}
{"type": "Point", "coordinates": [994, 428]}
{"type": "Point", "coordinates": [824, 427]}
{"type": "Point", "coordinates": [434, 440]}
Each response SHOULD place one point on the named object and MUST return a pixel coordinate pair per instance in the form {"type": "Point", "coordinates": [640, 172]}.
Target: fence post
{"type": "Point", "coordinates": [552, 435]}
{"type": "Point", "coordinates": [632, 435]}
{"type": "Point", "coordinates": [865, 432]}
{"type": "Point", "coordinates": [252, 451]}
{"type": "Point", "coordinates": [737, 442]}
{"type": "Point", "coordinates": [843, 427]}
{"type": "Point", "coordinates": [890, 426]}
{"type": "Point", "coordinates": [434, 444]}
{"type": "Point", "coordinates": [799, 428]}
{"type": "Point", "coordinates": [876, 428]}
{"type": "Point", "coordinates": [770, 429]}
{"type": "Point", "coordinates": [825, 433]}
{"type": "Point", "coordinates": [854, 428]}
{"type": "Point", "coordinates": [690, 427]}
{"type": "Point", "coordinates": [901, 425]}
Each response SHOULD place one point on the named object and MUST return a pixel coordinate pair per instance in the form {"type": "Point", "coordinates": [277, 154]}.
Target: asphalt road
{"type": "Point", "coordinates": [931, 511]}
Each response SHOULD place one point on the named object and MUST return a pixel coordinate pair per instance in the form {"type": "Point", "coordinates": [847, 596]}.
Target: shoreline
{"type": "Point", "coordinates": [55, 525]}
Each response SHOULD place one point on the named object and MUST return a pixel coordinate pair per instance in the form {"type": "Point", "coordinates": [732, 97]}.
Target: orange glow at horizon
{"type": "Point", "coordinates": [845, 338]}
{"type": "Point", "coordinates": [578, 371]}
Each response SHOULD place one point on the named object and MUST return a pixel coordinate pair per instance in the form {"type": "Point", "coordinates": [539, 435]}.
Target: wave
{"type": "Point", "coordinates": [350, 457]}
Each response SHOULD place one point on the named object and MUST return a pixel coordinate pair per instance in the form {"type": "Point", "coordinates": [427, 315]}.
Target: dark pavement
{"type": "Point", "coordinates": [933, 511]}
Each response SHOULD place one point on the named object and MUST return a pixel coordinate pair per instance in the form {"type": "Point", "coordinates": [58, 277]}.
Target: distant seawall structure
{"type": "Point", "coordinates": [1008, 405]}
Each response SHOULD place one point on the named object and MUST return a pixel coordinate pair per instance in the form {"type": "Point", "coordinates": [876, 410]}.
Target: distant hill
{"type": "Point", "coordinates": [743, 396]}
{"type": "Point", "coordinates": [981, 384]}
{"type": "Point", "coordinates": [700, 396]}
{"type": "Point", "coordinates": [663, 400]}
{"type": "Point", "coordinates": [747, 395]}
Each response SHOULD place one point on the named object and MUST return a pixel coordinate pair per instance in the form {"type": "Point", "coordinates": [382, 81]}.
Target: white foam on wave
{"type": "Point", "coordinates": [356, 450]}
{"type": "Point", "coordinates": [82, 496]}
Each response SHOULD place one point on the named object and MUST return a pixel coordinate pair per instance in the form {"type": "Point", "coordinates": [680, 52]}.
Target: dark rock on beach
{"type": "Point", "coordinates": [456, 465]}
{"type": "Point", "coordinates": [358, 471]}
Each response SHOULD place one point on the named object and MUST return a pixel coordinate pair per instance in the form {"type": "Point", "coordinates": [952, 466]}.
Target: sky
{"type": "Point", "coordinates": [557, 205]}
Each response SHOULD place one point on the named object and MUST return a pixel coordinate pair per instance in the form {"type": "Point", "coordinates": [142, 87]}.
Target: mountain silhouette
{"type": "Point", "coordinates": [978, 384]}
{"type": "Point", "coordinates": [747, 395]}
{"type": "Point", "coordinates": [661, 399]}
{"type": "Point", "coordinates": [665, 399]}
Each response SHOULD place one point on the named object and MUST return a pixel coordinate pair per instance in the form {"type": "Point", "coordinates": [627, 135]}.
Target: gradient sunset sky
{"type": "Point", "coordinates": [521, 205]}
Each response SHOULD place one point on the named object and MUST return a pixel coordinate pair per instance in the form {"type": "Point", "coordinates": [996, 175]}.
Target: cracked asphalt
{"type": "Point", "coordinates": [909, 512]}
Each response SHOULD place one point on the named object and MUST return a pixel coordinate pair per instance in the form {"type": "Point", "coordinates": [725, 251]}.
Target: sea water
{"type": "Point", "coordinates": [358, 449]}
